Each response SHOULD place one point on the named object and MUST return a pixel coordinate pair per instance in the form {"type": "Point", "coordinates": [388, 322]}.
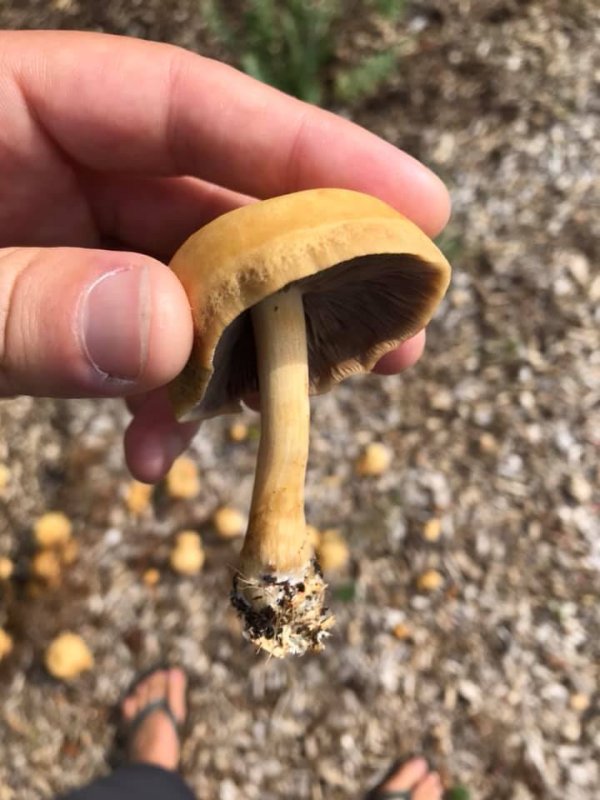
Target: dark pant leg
{"type": "Point", "coordinates": [135, 782]}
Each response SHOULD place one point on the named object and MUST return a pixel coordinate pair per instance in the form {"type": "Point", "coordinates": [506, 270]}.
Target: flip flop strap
{"type": "Point", "coordinates": [146, 711]}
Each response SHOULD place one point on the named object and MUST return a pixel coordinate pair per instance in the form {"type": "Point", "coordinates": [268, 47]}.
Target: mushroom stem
{"type": "Point", "coordinates": [279, 589]}
{"type": "Point", "coordinates": [276, 541]}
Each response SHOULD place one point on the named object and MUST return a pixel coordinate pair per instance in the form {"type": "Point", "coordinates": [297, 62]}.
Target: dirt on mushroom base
{"type": "Point", "coordinates": [493, 434]}
{"type": "Point", "coordinates": [291, 619]}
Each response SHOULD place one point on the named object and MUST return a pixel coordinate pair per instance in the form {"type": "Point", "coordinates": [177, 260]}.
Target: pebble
{"type": "Point", "coordinates": [579, 488]}
{"type": "Point", "coordinates": [402, 631]}
{"type": "Point", "coordinates": [488, 443]}
{"type": "Point", "coordinates": [579, 702]}
{"type": "Point", "coordinates": [442, 400]}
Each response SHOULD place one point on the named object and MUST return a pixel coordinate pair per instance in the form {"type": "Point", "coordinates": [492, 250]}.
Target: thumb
{"type": "Point", "coordinates": [77, 322]}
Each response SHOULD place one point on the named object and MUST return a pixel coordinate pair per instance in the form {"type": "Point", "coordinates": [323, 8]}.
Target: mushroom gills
{"type": "Point", "coordinates": [354, 313]}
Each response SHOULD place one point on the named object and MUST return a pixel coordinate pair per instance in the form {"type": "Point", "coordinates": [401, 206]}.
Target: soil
{"type": "Point", "coordinates": [494, 675]}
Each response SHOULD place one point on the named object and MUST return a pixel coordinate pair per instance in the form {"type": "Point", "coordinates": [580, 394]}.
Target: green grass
{"type": "Point", "coordinates": [291, 44]}
{"type": "Point", "coordinates": [457, 793]}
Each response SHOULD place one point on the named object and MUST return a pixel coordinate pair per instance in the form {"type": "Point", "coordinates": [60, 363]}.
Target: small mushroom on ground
{"type": "Point", "coordinates": [6, 568]}
{"type": "Point", "coordinates": [69, 553]}
{"type": "Point", "coordinates": [46, 567]}
{"type": "Point", "coordinates": [52, 529]}
{"type": "Point", "coordinates": [229, 522]}
{"type": "Point", "coordinates": [402, 631]}
{"type": "Point", "coordinates": [187, 557]}
{"type": "Point", "coordinates": [290, 296]}
{"type": "Point", "coordinates": [430, 581]}
{"type": "Point", "coordinates": [183, 482]}
{"type": "Point", "coordinates": [151, 577]}
{"type": "Point", "coordinates": [432, 530]}
{"type": "Point", "coordinates": [332, 551]}
{"type": "Point", "coordinates": [138, 497]}
{"type": "Point", "coordinates": [6, 644]}
{"type": "Point", "coordinates": [374, 460]}
{"type": "Point", "coordinates": [313, 535]}
{"type": "Point", "coordinates": [68, 656]}
{"type": "Point", "coordinates": [238, 432]}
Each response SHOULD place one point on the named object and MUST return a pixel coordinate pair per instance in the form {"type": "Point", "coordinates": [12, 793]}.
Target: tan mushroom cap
{"type": "Point", "coordinates": [370, 279]}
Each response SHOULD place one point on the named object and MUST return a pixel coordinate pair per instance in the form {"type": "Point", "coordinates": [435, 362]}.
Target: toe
{"type": "Point", "coordinates": [129, 708]}
{"type": "Point", "coordinates": [141, 693]}
{"type": "Point", "coordinates": [176, 685]}
{"type": "Point", "coordinates": [407, 776]}
{"type": "Point", "coordinates": [430, 788]}
{"type": "Point", "coordinates": [157, 686]}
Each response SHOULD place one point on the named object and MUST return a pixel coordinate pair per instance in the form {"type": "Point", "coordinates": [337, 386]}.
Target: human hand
{"type": "Point", "coordinates": [109, 142]}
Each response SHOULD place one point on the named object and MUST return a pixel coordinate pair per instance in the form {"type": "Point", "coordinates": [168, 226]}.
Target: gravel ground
{"type": "Point", "coordinates": [494, 434]}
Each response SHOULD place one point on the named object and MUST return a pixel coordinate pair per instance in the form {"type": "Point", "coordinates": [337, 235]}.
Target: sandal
{"type": "Point", "coordinates": [126, 730]}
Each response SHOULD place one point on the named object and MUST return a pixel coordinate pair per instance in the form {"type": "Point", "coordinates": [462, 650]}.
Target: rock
{"type": "Point", "coordinates": [488, 443]}
{"type": "Point", "coordinates": [580, 489]}
{"type": "Point", "coordinates": [579, 702]}
{"type": "Point", "coordinates": [402, 631]}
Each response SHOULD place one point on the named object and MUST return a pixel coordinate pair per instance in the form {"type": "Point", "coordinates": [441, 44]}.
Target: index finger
{"type": "Point", "coordinates": [126, 105]}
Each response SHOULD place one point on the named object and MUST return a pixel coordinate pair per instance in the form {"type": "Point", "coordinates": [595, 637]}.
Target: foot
{"type": "Point", "coordinates": [414, 778]}
{"type": "Point", "coordinates": [155, 740]}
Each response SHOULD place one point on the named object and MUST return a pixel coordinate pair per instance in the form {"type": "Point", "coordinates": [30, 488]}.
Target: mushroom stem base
{"type": "Point", "coordinates": [283, 616]}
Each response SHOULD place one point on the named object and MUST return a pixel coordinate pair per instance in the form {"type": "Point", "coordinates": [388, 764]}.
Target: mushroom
{"type": "Point", "coordinates": [229, 522]}
{"type": "Point", "coordinates": [182, 479]}
{"type": "Point", "coordinates": [290, 296]}
{"type": "Point", "coordinates": [67, 656]}
{"type": "Point", "coordinates": [52, 529]}
{"type": "Point", "coordinates": [6, 644]}
{"type": "Point", "coordinates": [187, 556]}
